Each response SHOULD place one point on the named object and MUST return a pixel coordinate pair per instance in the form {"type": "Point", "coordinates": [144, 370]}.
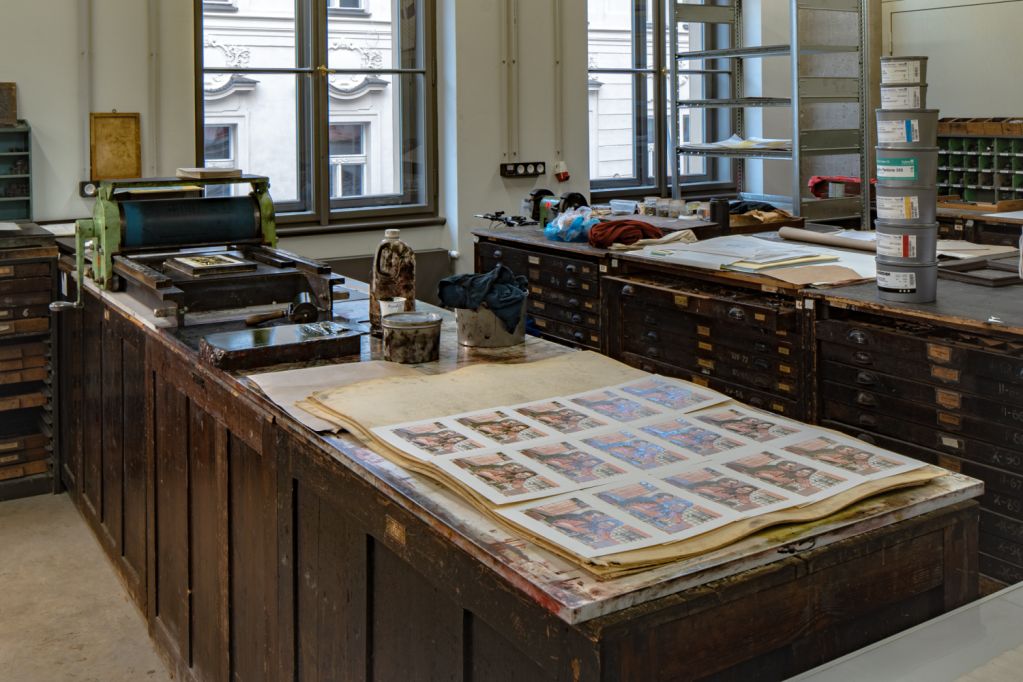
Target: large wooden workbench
{"type": "Point", "coordinates": [260, 550]}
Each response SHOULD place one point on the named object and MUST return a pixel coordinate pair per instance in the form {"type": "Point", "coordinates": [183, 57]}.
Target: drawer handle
{"type": "Point", "coordinates": [578, 336]}
{"type": "Point", "coordinates": [761, 363]}
{"type": "Point", "coordinates": [571, 269]}
{"type": "Point", "coordinates": [867, 438]}
{"type": "Point", "coordinates": [652, 352]}
{"type": "Point", "coordinates": [756, 401]}
{"type": "Point", "coordinates": [863, 358]}
{"type": "Point", "coordinates": [573, 302]}
{"type": "Point", "coordinates": [498, 253]}
{"type": "Point", "coordinates": [737, 314]}
{"type": "Point", "coordinates": [760, 347]}
{"type": "Point", "coordinates": [576, 318]}
{"type": "Point", "coordinates": [571, 284]}
{"type": "Point", "coordinates": [867, 420]}
{"type": "Point", "coordinates": [858, 336]}
{"type": "Point", "coordinates": [650, 319]}
{"type": "Point", "coordinates": [651, 335]}
{"type": "Point", "coordinates": [761, 382]}
{"type": "Point", "coordinates": [628, 290]}
{"type": "Point", "coordinates": [866, 379]}
{"type": "Point", "coordinates": [866, 399]}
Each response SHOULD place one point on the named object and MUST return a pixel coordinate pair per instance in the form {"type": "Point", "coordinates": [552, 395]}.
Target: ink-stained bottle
{"type": "Point", "coordinates": [394, 275]}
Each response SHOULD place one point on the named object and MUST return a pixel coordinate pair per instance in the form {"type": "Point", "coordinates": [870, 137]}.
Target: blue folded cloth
{"type": "Point", "coordinates": [502, 290]}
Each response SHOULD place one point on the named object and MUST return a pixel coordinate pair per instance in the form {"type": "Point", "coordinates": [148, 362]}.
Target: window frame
{"type": "Point", "coordinates": [320, 213]}
{"type": "Point", "coordinates": [717, 177]}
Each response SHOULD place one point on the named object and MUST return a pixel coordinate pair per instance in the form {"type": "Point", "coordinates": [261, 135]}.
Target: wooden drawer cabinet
{"type": "Point", "coordinates": [564, 291]}
{"type": "Point", "coordinates": [742, 343]}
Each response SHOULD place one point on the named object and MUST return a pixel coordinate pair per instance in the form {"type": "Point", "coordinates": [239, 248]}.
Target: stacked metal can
{"type": "Point", "coordinates": [907, 170]}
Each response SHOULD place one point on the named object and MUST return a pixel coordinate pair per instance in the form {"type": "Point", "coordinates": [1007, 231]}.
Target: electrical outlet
{"type": "Point", "coordinates": [523, 169]}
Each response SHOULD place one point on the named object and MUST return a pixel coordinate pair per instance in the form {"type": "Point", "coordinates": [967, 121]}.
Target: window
{"type": "Point", "coordinates": [347, 160]}
{"type": "Point", "coordinates": [336, 109]}
{"type": "Point", "coordinates": [219, 146]}
{"type": "Point", "coordinates": [630, 102]}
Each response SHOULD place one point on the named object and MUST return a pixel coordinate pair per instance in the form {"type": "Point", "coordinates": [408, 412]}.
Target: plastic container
{"type": "Point", "coordinates": [912, 96]}
{"type": "Point", "coordinates": [907, 283]}
{"type": "Point", "coordinates": [906, 205]}
{"type": "Point", "coordinates": [903, 70]}
{"type": "Point", "coordinates": [481, 328]}
{"type": "Point", "coordinates": [623, 207]}
{"type": "Point", "coordinates": [393, 276]}
{"type": "Point", "coordinates": [907, 128]}
{"type": "Point", "coordinates": [411, 338]}
{"type": "Point", "coordinates": [902, 244]}
{"type": "Point", "coordinates": [907, 167]}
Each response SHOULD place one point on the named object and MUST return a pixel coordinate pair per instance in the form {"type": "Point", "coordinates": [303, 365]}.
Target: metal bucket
{"type": "Point", "coordinates": [481, 328]}
{"type": "Point", "coordinates": [903, 70]}
{"type": "Point", "coordinates": [906, 205]}
{"type": "Point", "coordinates": [411, 338]}
{"type": "Point", "coordinates": [903, 244]}
{"type": "Point", "coordinates": [907, 283]}
{"type": "Point", "coordinates": [911, 96]}
{"type": "Point", "coordinates": [907, 167]}
{"type": "Point", "coordinates": [907, 128]}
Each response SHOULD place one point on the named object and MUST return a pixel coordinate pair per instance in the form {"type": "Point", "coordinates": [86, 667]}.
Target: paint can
{"type": "Point", "coordinates": [912, 96]}
{"type": "Point", "coordinates": [905, 244]}
{"type": "Point", "coordinates": [411, 338]}
{"type": "Point", "coordinates": [481, 328]}
{"type": "Point", "coordinates": [907, 283]}
{"type": "Point", "coordinates": [906, 205]}
{"type": "Point", "coordinates": [903, 70]}
{"type": "Point", "coordinates": [907, 167]}
{"type": "Point", "coordinates": [907, 128]}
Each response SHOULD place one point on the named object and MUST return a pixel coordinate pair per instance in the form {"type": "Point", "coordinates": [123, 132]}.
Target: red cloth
{"type": "Point", "coordinates": [626, 231]}
{"type": "Point", "coordinates": [819, 185]}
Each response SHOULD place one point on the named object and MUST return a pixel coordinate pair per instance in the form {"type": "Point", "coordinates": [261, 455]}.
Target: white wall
{"type": "Point", "coordinates": [39, 50]}
{"type": "Point", "coordinates": [974, 52]}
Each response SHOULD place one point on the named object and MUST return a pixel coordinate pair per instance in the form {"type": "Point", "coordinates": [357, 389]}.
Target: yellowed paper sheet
{"type": "Point", "coordinates": [815, 274]}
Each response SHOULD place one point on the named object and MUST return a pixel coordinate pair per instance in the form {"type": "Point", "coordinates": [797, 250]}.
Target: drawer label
{"type": "Point", "coordinates": [784, 369]}
{"type": "Point", "coordinates": [898, 208]}
{"type": "Point", "coordinates": [950, 400]}
{"type": "Point", "coordinates": [12, 445]}
{"type": "Point", "coordinates": [904, 130]}
{"type": "Point", "coordinates": [700, 381]}
{"type": "Point", "coordinates": [535, 290]}
{"type": "Point", "coordinates": [706, 364]}
{"type": "Point", "coordinates": [703, 345]}
{"type": "Point", "coordinates": [9, 459]}
{"type": "Point", "coordinates": [897, 169]}
{"type": "Point", "coordinates": [896, 245]}
{"type": "Point", "coordinates": [539, 305]}
{"type": "Point", "coordinates": [6, 271]}
{"type": "Point", "coordinates": [681, 301]}
{"type": "Point", "coordinates": [951, 442]}
{"type": "Point", "coordinates": [901, 97]}
{"type": "Point", "coordinates": [783, 350]}
{"type": "Point", "coordinates": [759, 317]}
{"type": "Point", "coordinates": [778, 407]}
{"type": "Point", "coordinates": [702, 330]}
{"type": "Point", "coordinates": [540, 323]}
{"type": "Point", "coordinates": [946, 419]}
{"type": "Point", "coordinates": [533, 260]}
{"type": "Point", "coordinates": [945, 374]}
{"type": "Point", "coordinates": [900, 71]}
{"type": "Point", "coordinates": [939, 353]}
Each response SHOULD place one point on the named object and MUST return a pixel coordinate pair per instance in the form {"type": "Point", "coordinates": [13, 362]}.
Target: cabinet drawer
{"type": "Point", "coordinates": [567, 300]}
{"type": "Point", "coordinates": [492, 254]}
{"type": "Point", "coordinates": [569, 315]}
{"type": "Point", "coordinates": [21, 312]}
{"type": "Point", "coordinates": [10, 287]}
{"type": "Point", "coordinates": [11, 445]}
{"type": "Point", "coordinates": [569, 284]}
{"type": "Point", "coordinates": [22, 470]}
{"type": "Point", "coordinates": [23, 375]}
{"type": "Point", "coordinates": [953, 355]}
{"type": "Point", "coordinates": [562, 267]}
{"type": "Point", "coordinates": [736, 308]}
{"type": "Point", "coordinates": [33, 325]}
{"type": "Point", "coordinates": [22, 456]}
{"type": "Point", "coordinates": [22, 355]}
{"type": "Point", "coordinates": [15, 270]}
{"type": "Point", "coordinates": [1004, 550]}
{"type": "Point", "coordinates": [21, 401]}
{"type": "Point", "coordinates": [1000, 570]}
{"type": "Point", "coordinates": [1001, 526]}
{"type": "Point", "coordinates": [573, 334]}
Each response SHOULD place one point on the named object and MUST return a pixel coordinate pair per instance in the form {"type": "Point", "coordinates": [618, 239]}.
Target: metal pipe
{"type": "Point", "coordinates": [504, 88]}
{"type": "Point", "coordinates": [513, 79]}
{"type": "Point", "coordinates": [85, 82]}
{"type": "Point", "coordinates": [673, 138]}
{"type": "Point", "coordinates": [559, 124]}
{"type": "Point", "coordinates": [152, 134]}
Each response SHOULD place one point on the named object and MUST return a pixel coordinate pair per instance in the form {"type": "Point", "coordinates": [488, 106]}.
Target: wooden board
{"type": "Point", "coordinates": [115, 147]}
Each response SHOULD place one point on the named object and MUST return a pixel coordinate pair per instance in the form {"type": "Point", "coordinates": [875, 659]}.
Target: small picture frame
{"type": "Point", "coordinates": [115, 147]}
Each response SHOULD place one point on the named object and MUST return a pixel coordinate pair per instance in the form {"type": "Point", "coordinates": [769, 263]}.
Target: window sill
{"type": "Point", "coordinates": [347, 12]}
{"type": "Point", "coordinates": [226, 6]}
{"type": "Point", "coordinates": [285, 230]}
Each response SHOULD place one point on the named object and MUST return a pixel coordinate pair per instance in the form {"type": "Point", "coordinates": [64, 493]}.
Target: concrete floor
{"type": "Point", "coordinates": [63, 613]}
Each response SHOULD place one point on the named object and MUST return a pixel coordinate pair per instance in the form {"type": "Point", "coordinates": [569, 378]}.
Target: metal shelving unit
{"type": "Point", "coordinates": [809, 89]}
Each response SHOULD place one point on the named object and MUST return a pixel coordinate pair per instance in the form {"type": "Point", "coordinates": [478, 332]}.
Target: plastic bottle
{"type": "Point", "coordinates": [394, 274]}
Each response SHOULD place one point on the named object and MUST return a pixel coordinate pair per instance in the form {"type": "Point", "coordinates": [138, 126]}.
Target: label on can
{"type": "Point", "coordinates": [897, 169]}
{"type": "Point", "coordinates": [898, 208]}
{"type": "Point", "coordinates": [901, 71]}
{"type": "Point", "coordinates": [902, 97]}
{"type": "Point", "coordinates": [896, 282]}
{"type": "Point", "coordinates": [896, 245]}
{"type": "Point", "coordinates": [905, 130]}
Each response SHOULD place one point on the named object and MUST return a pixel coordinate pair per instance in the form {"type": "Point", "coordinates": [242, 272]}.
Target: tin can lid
{"type": "Point", "coordinates": [413, 320]}
{"type": "Point", "coordinates": [391, 233]}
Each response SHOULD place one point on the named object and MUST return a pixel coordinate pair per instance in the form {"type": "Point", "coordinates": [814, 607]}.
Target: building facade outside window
{"type": "Point", "coordinates": [219, 145]}
{"type": "Point", "coordinates": [332, 100]}
{"type": "Point", "coordinates": [630, 102]}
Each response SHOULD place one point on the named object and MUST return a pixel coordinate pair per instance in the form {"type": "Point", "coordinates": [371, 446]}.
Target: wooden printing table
{"type": "Point", "coordinates": [260, 550]}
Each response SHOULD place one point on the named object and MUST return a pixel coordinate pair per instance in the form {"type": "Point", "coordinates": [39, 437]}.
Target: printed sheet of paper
{"type": "Point", "coordinates": [428, 439]}
{"type": "Point", "coordinates": [503, 477]}
{"type": "Point", "coordinates": [671, 394]}
{"type": "Point", "coordinates": [850, 456]}
{"type": "Point", "coordinates": [749, 425]}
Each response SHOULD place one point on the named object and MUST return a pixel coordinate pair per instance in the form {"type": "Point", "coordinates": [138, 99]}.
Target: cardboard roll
{"type": "Point", "coordinates": [168, 222]}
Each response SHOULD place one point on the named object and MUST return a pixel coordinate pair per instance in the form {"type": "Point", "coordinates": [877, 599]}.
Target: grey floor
{"type": "Point", "coordinates": [63, 612]}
